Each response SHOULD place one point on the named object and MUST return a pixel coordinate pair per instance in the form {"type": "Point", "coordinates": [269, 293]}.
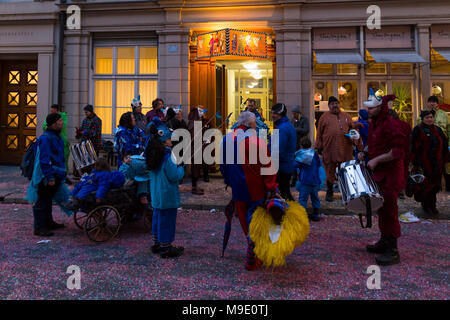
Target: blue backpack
{"type": "Point", "coordinates": [27, 165]}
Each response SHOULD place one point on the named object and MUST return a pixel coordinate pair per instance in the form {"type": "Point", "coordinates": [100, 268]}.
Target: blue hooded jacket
{"type": "Point", "coordinates": [128, 140]}
{"type": "Point", "coordinates": [308, 171]}
{"type": "Point", "coordinates": [364, 130]}
{"type": "Point", "coordinates": [287, 144]}
{"type": "Point", "coordinates": [164, 183]}
{"type": "Point", "coordinates": [100, 182]}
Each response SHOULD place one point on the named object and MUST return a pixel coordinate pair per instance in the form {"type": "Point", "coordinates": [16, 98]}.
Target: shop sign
{"type": "Point", "coordinates": [440, 36]}
{"type": "Point", "coordinates": [389, 37]}
{"type": "Point", "coordinates": [232, 42]}
{"type": "Point", "coordinates": [335, 38]}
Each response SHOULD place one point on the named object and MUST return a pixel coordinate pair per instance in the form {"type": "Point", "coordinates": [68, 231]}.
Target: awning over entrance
{"type": "Point", "coordinates": [393, 56]}
{"type": "Point", "coordinates": [445, 52]}
{"type": "Point", "coordinates": [340, 56]}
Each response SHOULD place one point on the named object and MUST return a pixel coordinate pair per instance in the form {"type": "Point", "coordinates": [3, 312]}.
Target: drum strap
{"type": "Point", "coordinates": [368, 214]}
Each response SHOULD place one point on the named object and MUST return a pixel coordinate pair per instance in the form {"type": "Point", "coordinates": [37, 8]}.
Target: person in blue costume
{"type": "Point", "coordinates": [128, 137]}
{"type": "Point", "coordinates": [100, 181]}
{"type": "Point", "coordinates": [164, 175]}
{"type": "Point", "coordinates": [49, 174]}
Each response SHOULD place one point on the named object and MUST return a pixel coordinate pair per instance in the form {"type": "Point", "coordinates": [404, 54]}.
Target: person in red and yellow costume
{"type": "Point", "coordinates": [386, 160]}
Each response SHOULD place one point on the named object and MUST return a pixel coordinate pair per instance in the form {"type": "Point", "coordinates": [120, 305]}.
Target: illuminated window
{"type": "Point", "coordinates": [439, 65]}
{"type": "Point", "coordinates": [121, 74]}
{"type": "Point", "coordinates": [374, 68]}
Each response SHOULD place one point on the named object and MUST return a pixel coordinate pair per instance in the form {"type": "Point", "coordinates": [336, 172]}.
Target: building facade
{"type": "Point", "coordinates": [215, 54]}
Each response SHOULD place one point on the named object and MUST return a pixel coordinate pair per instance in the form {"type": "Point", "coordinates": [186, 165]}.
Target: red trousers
{"type": "Point", "coordinates": [388, 213]}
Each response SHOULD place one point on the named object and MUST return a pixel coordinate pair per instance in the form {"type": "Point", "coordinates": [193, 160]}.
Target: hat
{"type": "Point", "coordinates": [163, 132]}
{"type": "Point", "coordinates": [136, 102]}
{"type": "Point", "coordinates": [138, 168]}
{"type": "Point", "coordinates": [52, 118]}
{"type": "Point", "coordinates": [425, 113]}
{"type": "Point", "coordinates": [89, 108]}
{"type": "Point", "coordinates": [332, 99]}
{"type": "Point", "coordinates": [296, 108]}
{"type": "Point", "coordinates": [279, 108]}
{"type": "Point", "coordinates": [373, 100]}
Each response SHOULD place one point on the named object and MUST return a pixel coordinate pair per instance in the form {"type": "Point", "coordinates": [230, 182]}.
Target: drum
{"type": "Point", "coordinates": [83, 155]}
{"type": "Point", "coordinates": [359, 192]}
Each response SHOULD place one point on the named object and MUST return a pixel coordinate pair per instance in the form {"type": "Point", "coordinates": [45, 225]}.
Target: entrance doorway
{"type": "Point", "coordinates": [241, 80]}
{"type": "Point", "coordinates": [18, 101]}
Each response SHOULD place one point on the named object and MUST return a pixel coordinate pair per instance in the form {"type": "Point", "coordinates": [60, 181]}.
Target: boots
{"type": "Point", "coordinates": [170, 251]}
{"type": "Point", "coordinates": [379, 247]}
{"type": "Point", "coordinates": [427, 207]}
{"type": "Point", "coordinates": [315, 215]}
{"type": "Point", "coordinates": [329, 196]}
{"type": "Point", "coordinates": [391, 255]}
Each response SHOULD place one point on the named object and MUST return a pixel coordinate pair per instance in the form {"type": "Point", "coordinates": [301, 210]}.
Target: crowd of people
{"type": "Point", "coordinates": [388, 145]}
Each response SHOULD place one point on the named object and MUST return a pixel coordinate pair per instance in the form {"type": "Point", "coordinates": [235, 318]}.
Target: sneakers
{"type": "Point", "coordinates": [171, 252]}
{"type": "Point", "coordinates": [43, 232]}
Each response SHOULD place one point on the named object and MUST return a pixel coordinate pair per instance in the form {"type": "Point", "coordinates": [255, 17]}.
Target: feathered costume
{"type": "Point", "coordinates": [274, 243]}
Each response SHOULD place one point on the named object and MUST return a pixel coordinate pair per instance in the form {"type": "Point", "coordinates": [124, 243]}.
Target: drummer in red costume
{"type": "Point", "coordinates": [386, 160]}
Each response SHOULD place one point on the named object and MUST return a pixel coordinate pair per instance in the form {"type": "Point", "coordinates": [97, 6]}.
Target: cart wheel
{"type": "Point", "coordinates": [80, 219]}
{"type": "Point", "coordinates": [147, 220]}
{"type": "Point", "coordinates": [102, 224]}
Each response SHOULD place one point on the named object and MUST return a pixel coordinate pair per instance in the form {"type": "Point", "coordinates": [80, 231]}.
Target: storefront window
{"type": "Point", "coordinates": [322, 91]}
{"type": "Point", "coordinates": [403, 104]}
{"type": "Point", "coordinates": [347, 69]}
{"type": "Point", "coordinates": [373, 68]}
{"type": "Point", "coordinates": [378, 87]}
{"type": "Point", "coordinates": [401, 68]}
{"type": "Point", "coordinates": [106, 86]}
{"type": "Point", "coordinates": [319, 68]}
{"type": "Point", "coordinates": [439, 65]}
{"type": "Point", "coordinates": [348, 96]}
{"type": "Point", "coordinates": [441, 89]}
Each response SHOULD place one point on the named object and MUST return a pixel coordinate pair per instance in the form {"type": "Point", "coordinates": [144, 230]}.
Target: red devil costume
{"type": "Point", "coordinates": [386, 135]}
{"type": "Point", "coordinates": [249, 186]}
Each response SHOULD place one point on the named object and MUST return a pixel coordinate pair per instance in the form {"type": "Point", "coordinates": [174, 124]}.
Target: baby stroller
{"type": "Point", "coordinates": [102, 221]}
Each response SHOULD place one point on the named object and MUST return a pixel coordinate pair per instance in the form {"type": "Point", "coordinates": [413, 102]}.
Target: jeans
{"type": "Point", "coordinates": [305, 192]}
{"type": "Point", "coordinates": [164, 223]}
{"type": "Point", "coordinates": [42, 209]}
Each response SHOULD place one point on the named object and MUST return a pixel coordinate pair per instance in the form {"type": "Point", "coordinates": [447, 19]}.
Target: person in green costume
{"type": "Point", "coordinates": [56, 108]}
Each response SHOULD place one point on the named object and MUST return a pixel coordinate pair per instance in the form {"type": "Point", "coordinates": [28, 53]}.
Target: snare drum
{"type": "Point", "coordinates": [83, 155]}
{"type": "Point", "coordinates": [359, 192]}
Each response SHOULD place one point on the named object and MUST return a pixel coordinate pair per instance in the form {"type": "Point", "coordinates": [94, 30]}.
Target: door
{"type": "Point", "coordinates": [18, 101]}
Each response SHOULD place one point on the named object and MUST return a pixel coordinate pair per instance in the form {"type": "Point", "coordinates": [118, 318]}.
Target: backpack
{"type": "Point", "coordinates": [27, 165]}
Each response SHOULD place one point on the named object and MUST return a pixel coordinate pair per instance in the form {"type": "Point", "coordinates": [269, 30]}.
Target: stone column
{"type": "Point", "coordinates": [75, 82]}
{"type": "Point", "coordinates": [44, 89]}
{"type": "Point", "coordinates": [174, 67]}
{"type": "Point", "coordinates": [425, 69]}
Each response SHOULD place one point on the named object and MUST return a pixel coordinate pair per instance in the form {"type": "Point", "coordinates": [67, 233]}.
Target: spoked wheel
{"type": "Point", "coordinates": [102, 224]}
{"type": "Point", "coordinates": [80, 219]}
{"type": "Point", "coordinates": [147, 219]}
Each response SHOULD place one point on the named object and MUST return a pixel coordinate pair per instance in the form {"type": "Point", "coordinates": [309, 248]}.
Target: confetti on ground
{"type": "Point", "coordinates": [331, 264]}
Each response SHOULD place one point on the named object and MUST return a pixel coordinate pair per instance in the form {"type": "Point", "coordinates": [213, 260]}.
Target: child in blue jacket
{"type": "Point", "coordinates": [164, 188]}
{"type": "Point", "coordinates": [310, 177]}
{"type": "Point", "coordinates": [100, 181]}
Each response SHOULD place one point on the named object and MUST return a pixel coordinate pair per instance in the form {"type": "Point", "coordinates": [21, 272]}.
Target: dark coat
{"type": "Point", "coordinates": [301, 128]}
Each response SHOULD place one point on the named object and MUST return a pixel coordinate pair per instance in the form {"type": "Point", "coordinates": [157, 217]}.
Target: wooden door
{"type": "Point", "coordinates": [18, 102]}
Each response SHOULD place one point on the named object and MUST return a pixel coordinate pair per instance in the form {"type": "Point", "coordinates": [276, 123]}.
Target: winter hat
{"type": "Point", "coordinates": [89, 108]}
{"type": "Point", "coordinates": [52, 118]}
{"type": "Point", "coordinates": [280, 108]}
{"type": "Point", "coordinates": [425, 113]}
{"type": "Point", "coordinates": [163, 132]}
{"type": "Point", "coordinates": [332, 99]}
{"type": "Point", "coordinates": [296, 108]}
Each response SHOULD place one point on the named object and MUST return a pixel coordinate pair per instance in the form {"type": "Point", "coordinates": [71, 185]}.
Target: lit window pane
{"type": "Point", "coordinates": [148, 91]}
{"type": "Point", "coordinates": [125, 61]}
{"type": "Point", "coordinates": [348, 95]}
{"type": "Point", "coordinates": [403, 92]}
{"type": "Point", "coordinates": [439, 65]}
{"type": "Point", "coordinates": [444, 94]}
{"type": "Point", "coordinates": [401, 68]}
{"type": "Point", "coordinates": [103, 60]}
{"type": "Point", "coordinates": [348, 69]}
{"type": "Point", "coordinates": [105, 114]}
{"type": "Point", "coordinates": [119, 113]}
{"type": "Point", "coordinates": [322, 91]}
{"type": "Point", "coordinates": [376, 85]}
{"type": "Point", "coordinates": [148, 60]}
{"type": "Point", "coordinates": [103, 93]}
{"type": "Point", "coordinates": [124, 94]}
{"type": "Point", "coordinates": [372, 67]}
